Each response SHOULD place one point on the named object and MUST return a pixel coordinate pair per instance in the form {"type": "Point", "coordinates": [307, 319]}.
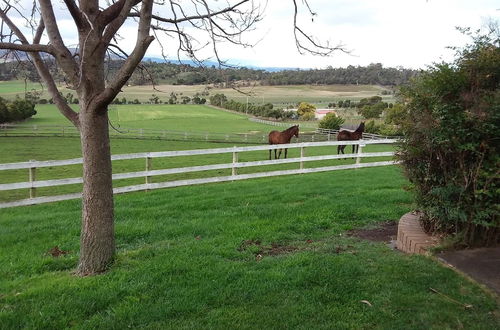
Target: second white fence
{"type": "Point", "coordinates": [32, 184]}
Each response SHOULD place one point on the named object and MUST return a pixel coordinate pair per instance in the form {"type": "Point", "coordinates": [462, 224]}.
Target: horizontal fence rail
{"type": "Point", "coordinates": [33, 184]}
{"type": "Point", "coordinates": [279, 123]}
{"type": "Point", "coordinates": [369, 136]}
{"type": "Point", "coordinates": [320, 134]}
{"type": "Point", "coordinates": [150, 134]}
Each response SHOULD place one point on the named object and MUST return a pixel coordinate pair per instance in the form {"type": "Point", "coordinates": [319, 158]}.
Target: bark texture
{"type": "Point", "coordinates": [97, 241]}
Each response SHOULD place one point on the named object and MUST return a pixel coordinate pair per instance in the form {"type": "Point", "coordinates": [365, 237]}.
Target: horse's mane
{"type": "Point", "coordinates": [291, 128]}
{"type": "Point", "coordinates": [360, 128]}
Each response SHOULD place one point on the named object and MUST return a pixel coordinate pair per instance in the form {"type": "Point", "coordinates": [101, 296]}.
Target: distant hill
{"type": "Point", "coordinates": [216, 64]}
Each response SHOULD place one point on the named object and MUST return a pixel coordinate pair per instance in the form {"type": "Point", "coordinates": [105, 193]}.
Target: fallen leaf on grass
{"type": "Point", "coordinates": [56, 252]}
{"type": "Point", "coordinates": [366, 302]}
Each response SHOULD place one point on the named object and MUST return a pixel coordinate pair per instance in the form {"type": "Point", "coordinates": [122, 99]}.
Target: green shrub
{"type": "Point", "coordinates": [450, 152]}
{"type": "Point", "coordinates": [331, 121]}
{"type": "Point", "coordinates": [16, 110]}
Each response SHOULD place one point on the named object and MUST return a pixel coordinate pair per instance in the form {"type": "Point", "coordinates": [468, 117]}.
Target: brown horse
{"type": "Point", "coordinates": [276, 137]}
{"type": "Point", "coordinates": [350, 136]}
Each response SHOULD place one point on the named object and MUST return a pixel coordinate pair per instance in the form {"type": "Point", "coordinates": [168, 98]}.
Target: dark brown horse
{"type": "Point", "coordinates": [350, 136]}
{"type": "Point", "coordinates": [276, 137]}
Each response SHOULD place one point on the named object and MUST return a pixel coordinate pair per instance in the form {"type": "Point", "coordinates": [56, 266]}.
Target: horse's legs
{"type": "Point", "coordinates": [270, 154]}
{"type": "Point", "coordinates": [340, 149]}
{"type": "Point", "coordinates": [286, 151]}
{"type": "Point", "coordinates": [279, 153]}
{"type": "Point", "coordinates": [275, 155]}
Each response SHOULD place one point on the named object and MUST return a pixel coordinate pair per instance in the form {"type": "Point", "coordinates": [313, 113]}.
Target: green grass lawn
{"type": "Point", "coordinates": [190, 257]}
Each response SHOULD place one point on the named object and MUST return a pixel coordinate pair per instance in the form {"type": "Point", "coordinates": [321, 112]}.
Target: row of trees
{"type": "Point", "coordinates": [266, 110]}
{"type": "Point", "coordinates": [17, 110]}
{"type": "Point", "coordinates": [184, 74]}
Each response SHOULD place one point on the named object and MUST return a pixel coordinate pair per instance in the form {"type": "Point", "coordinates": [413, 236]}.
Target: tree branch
{"type": "Point", "coordinates": [75, 13]}
{"type": "Point", "coordinates": [43, 71]}
{"type": "Point", "coordinates": [194, 17]}
{"type": "Point", "coordinates": [61, 52]}
{"type": "Point", "coordinates": [27, 47]}
{"type": "Point", "coordinates": [142, 44]}
{"type": "Point", "coordinates": [316, 48]}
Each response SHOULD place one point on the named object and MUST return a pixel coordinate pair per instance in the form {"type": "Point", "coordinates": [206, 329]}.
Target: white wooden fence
{"type": "Point", "coordinates": [280, 123]}
{"type": "Point", "coordinates": [33, 184]}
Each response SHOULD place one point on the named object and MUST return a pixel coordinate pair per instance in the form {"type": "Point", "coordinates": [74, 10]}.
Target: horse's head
{"type": "Point", "coordinates": [296, 131]}
{"type": "Point", "coordinates": [361, 127]}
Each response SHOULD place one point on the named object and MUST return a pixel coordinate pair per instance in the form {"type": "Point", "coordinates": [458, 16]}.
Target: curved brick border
{"type": "Point", "coordinates": [411, 237]}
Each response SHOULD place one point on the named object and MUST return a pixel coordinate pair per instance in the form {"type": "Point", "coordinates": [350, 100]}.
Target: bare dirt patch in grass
{"type": "Point", "coordinates": [261, 250]}
{"type": "Point", "coordinates": [384, 232]}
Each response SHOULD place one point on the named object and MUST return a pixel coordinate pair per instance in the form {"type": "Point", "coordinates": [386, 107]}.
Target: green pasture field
{"type": "Point", "coordinates": [258, 254]}
{"type": "Point", "coordinates": [184, 118]}
{"type": "Point", "coordinates": [9, 89]}
{"type": "Point", "coordinates": [281, 96]}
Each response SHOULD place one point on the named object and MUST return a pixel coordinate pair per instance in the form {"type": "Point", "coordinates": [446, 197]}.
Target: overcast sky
{"type": "Point", "coordinates": [407, 33]}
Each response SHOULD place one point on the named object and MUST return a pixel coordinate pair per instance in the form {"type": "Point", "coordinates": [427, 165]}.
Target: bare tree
{"type": "Point", "coordinates": [98, 25]}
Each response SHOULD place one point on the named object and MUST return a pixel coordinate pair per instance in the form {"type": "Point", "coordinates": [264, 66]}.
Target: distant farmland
{"type": "Point", "coordinates": [281, 96]}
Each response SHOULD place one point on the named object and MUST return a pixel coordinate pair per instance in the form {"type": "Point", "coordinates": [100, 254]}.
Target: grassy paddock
{"type": "Point", "coordinates": [278, 95]}
{"type": "Point", "coordinates": [188, 257]}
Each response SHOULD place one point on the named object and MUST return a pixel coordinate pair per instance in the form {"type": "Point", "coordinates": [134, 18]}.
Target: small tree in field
{"type": "Point", "coordinates": [98, 25]}
{"type": "Point", "coordinates": [331, 121]}
{"type": "Point", "coordinates": [306, 110]}
{"type": "Point", "coordinates": [451, 150]}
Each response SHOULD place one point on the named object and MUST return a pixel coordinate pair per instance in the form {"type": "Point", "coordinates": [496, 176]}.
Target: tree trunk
{"type": "Point", "coordinates": [97, 240]}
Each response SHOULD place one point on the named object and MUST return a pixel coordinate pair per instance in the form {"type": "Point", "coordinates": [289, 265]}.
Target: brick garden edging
{"type": "Point", "coordinates": [411, 237]}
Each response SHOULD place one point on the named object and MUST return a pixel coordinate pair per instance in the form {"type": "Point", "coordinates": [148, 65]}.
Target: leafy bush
{"type": "Point", "coordinates": [331, 121]}
{"type": "Point", "coordinates": [218, 100]}
{"type": "Point", "coordinates": [16, 110]}
{"type": "Point", "coordinates": [305, 110]}
{"type": "Point", "coordinates": [265, 110]}
{"type": "Point", "coordinates": [450, 152]}
{"type": "Point", "coordinates": [369, 111]}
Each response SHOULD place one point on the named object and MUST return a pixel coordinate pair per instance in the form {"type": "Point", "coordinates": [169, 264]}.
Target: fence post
{"type": "Point", "coordinates": [148, 168]}
{"type": "Point", "coordinates": [235, 160]}
{"type": "Point", "coordinates": [302, 154]}
{"type": "Point", "coordinates": [32, 176]}
{"type": "Point", "coordinates": [360, 151]}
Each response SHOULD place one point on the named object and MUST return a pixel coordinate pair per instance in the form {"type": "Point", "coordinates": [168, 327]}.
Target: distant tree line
{"type": "Point", "coordinates": [184, 74]}
{"type": "Point", "coordinates": [266, 110]}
